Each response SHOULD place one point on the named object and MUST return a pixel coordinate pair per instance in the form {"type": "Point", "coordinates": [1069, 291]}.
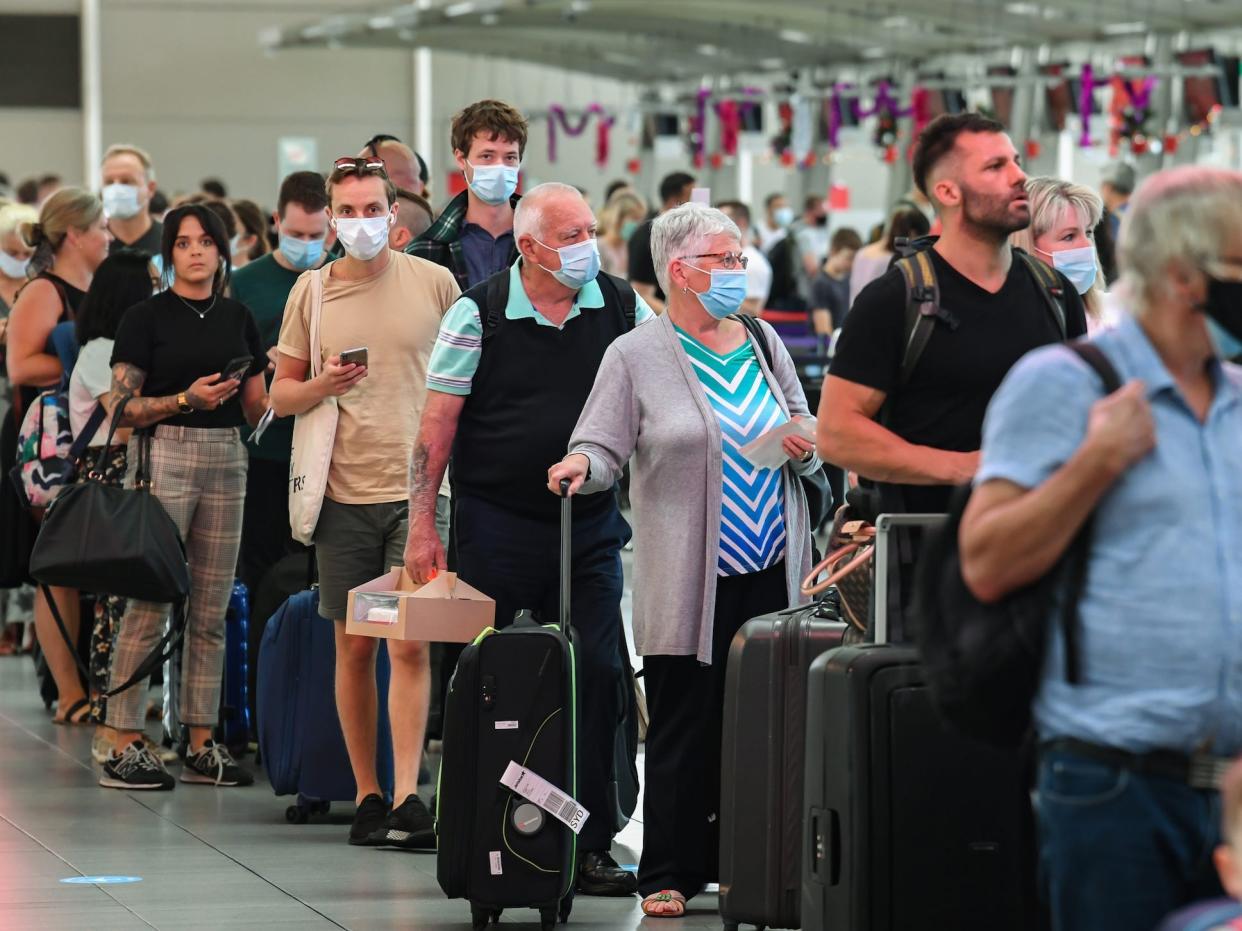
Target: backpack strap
{"type": "Point", "coordinates": [1049, 287]}
{"type": "Point", "coordinates": [922, 310]}
{"type": "Point", "coordinates": [89, 429]}
{"type": "Point", "coordinates": [496, 298]}
{"type": "Point", "coordinates": [623, 294]}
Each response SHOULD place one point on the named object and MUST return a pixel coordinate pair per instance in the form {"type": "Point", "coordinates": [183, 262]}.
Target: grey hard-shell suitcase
{"type": "Point", "coordinates": [762, 762]}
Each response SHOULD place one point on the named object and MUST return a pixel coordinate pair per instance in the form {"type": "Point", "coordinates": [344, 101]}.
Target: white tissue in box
{"type": "Point", "coordinates": [381, 615]}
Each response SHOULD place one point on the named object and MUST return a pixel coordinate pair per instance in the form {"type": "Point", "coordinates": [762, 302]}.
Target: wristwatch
{"type": "Point", "coordinates": [183, 404]}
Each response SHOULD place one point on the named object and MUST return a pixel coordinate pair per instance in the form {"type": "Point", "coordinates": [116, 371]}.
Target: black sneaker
{"type": "Point", "coordinates": [369, 818]}
{"type": "Point", "coordinates": [135, 768]}
{"type": "Point", "coordinates": [215, 766]}
{"type": "Point", "coordinates": [409, 826]}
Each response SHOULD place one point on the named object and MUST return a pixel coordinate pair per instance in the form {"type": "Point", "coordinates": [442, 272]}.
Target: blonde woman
{"type": "Point", "coordinates": [1063, 219]}
{"type": "Point", "coordinates": [623, 214]}
{"type": "Point", "coordinates": [15, 255]}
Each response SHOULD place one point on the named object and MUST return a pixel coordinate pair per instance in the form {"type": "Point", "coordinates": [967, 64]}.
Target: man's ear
{"type": "Point", "coordinates": [946, 192]}
{"type": "Point", "coordinates": [400, 238]}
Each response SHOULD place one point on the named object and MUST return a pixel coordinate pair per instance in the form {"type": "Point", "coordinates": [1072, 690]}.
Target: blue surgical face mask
{"type": "Point", "coordinates": [121, 201]}
{"type": "Point", "coordinates": [301, 253]}
{"type": "Point", "coordinates": [11, 267]}
{"type": "Point", "coordinates": [628, 228]}
{"type": "Point", "coordinates": [494, 184]}
{"type": "Point", "coordinates": [579, 263]}
{"type": "Point", "coordinates": [726, 293]}
{"type": "Point", "coordinates": [1078, 265]}
{"type": "Point", "coordinates": [783, 216]}
{"type": "Point", "coordinates": [1228, 347]}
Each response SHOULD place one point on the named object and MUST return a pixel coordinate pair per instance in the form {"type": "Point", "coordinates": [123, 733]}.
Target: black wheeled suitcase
{"type": "Point", "coordinates": [511, 713]}
{"type": "Point", "coordinates": [908, 825]}
{"type": "Point", "coordinates": [761, 790]}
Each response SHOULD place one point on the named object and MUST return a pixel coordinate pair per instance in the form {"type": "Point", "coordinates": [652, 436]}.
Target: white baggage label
{"type": "Point", "coordinates": [494, 858]}
{"type": "Point", "coordinates": [506, 725]}
{"type": "Point", "coordinates": [558, 804]}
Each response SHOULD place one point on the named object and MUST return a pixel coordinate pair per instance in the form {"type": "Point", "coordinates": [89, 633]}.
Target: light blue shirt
{"type": "Point", "coordinates": [1161, 617]}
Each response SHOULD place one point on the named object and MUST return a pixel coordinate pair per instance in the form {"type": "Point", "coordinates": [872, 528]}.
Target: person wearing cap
{"type": "Point", "coordinates": [1116, 186]}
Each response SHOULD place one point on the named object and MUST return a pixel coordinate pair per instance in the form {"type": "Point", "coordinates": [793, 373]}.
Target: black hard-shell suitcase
{"type": "Point", "coordinates": [908, 825]}
{"type": "Point", "coordinates": [512, 698]}
{"type": "Point", "coordinates": [761, 792]}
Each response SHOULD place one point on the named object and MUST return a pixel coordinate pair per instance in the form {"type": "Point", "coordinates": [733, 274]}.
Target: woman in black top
{"type": "Point", "coordinates": [69, 243]}
{"type": "Point", "coordinates": [191, 362]}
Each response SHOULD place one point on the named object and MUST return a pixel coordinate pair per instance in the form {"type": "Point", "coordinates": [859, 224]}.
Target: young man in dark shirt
{"type": "Point", "coordinates": [674, 191]}
{"type": "Point", "coordinates": [930, 436]}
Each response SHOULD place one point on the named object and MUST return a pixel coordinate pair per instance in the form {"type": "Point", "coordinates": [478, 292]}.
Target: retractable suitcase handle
{"type": "Point", "coordinates": [567, 520]}
{"type": "Point", "coordinates": [885, 524]}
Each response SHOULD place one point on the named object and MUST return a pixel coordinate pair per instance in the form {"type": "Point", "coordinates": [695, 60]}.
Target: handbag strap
{"type": "Point", "coordinates": [316, 322]}
{"type": "Point", "coordinates": [87, 433]}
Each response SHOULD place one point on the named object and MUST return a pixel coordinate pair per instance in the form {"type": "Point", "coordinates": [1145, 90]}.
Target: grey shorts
{"type": "Point", "coordinates": [355, 543]}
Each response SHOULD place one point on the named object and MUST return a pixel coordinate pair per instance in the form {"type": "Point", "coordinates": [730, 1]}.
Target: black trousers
{"type": "Point", "coordinates": [516, 561]}
{"type": "Point", "coordinates": [681, 801]}
{"type": "Point", "coordinates": [266, 537]}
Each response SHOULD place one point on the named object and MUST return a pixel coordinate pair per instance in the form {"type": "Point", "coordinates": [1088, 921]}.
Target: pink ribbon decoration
{"type": "Point", "coordinates": [557, 114]}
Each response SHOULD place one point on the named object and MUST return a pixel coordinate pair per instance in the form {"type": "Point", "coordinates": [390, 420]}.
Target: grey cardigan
{"type": "Point", "coordinates": [647, 403]}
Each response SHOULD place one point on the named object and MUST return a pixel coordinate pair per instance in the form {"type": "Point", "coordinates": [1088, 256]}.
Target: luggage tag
{"type": "Point", "coordinates": [538, 790]}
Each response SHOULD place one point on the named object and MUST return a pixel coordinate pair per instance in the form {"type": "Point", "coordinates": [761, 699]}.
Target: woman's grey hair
{"type": "Point", "coordinates": [1183, 216]}
{"type": "Point", "coordinates": [683, 231]}
{"type": "Point", "coordinates": [528, 214]}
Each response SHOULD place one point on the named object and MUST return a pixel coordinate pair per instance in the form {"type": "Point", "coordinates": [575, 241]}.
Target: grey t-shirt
{"type": "Point", "coordinates": [92, 376]}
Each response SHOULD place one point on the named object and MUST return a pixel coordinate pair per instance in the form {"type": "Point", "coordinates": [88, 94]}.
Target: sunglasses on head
{"type": "Point", "coordinates": [348, 163]}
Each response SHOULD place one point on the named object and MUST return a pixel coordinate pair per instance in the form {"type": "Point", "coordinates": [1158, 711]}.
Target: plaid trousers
{"type": "Point", "coordinates": [199, 475]}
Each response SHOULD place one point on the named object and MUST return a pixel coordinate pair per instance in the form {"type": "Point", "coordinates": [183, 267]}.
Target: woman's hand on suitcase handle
{"type": "Point", "coordinates": [573, 467]}
{"type": "Point", "coordinates": [424, 553]}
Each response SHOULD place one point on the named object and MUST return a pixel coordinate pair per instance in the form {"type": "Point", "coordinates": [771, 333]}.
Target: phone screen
{"type": "Point", "coordinates": [237, 368]}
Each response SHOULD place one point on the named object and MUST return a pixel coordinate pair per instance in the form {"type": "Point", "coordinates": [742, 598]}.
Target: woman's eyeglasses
{"type": "Point", "coordinates": [727, 259]}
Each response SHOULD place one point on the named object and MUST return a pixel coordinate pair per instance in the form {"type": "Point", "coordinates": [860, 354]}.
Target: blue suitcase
{"type": "Point", "coordinates": [235, 725]}
{"type": "Point", "coordinates": [300, 737]}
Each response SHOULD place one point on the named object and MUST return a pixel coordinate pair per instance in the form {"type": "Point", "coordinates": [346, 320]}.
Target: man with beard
{"type": "Point", "coordinates": [917, 433]}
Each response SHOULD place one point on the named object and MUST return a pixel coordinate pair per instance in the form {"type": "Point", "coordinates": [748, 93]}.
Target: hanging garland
{"type": "Point", "coordinates": [1130, 110]}
{"type": "Point", "coordinates": [558, 114]}
{"type": "Point", "coordinates": [885, 107]}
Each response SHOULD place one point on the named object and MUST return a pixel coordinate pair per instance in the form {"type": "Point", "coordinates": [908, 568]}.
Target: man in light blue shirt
{"type": "Point", "coordinates": [1131, 756]}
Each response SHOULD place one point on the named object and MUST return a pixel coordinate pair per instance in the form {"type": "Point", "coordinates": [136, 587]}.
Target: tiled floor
{"type": "Point", "coordinates": [211, 858]}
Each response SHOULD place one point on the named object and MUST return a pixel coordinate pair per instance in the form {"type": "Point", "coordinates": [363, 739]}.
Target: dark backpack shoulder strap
{"type": "Point", "coordinates": [1049, 286]}
{"type": "Point", "coordinates": [495, 294]}
{"type": "Point", "coordinates": [89, 429]}
{"type": "Point", "coordinates": [622, 293]}
{"type": "Point", "coordinates": [1094, 357]}
{"type": "Point", "coordinates": [756, 331]}
{"type": "Point", "coordinates": [922, 308]}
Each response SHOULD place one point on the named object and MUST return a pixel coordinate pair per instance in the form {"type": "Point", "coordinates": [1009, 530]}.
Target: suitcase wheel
{"type": "Point", "coordinates": [547, 917]}
{"type": "Point", "coordinates": [296, 814]}
{"type": "Point", "coordinates": [730, 925]}
{"type": "Point", "coordinates": [481, 916]}
{"type": "Point", "coordinates": [567, 906]}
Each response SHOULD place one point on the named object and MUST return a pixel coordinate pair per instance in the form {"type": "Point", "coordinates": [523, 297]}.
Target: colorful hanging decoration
{"type": "Point", "coordinates": [558, 115]}
{"type": "Point", "coordinates": [1130, 110]}
{"type": "Point", "coordinates": [885, 107]}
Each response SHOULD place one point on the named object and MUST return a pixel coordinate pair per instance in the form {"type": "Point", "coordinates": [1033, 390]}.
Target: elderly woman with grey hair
{"type": "Point", "coordinates": [718, 540]}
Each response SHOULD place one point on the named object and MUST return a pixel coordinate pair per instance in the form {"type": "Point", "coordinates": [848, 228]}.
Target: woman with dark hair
{"type": "Point", "coordinates": [251, 241]}
{"type": "Point", "coordinates": [122, 281]}
{"type": "Point", "coordinates": [873, 260]}
{"type": "Point", "coordinates": [190, 362]}
{"type": "Point", "coordinates": [69, 242]}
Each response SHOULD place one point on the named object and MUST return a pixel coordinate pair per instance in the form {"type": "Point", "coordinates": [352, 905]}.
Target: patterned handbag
{"type": "Point", "coordinates": [47, 453]}
{"type": "Point", "coordinates": [849, 567]}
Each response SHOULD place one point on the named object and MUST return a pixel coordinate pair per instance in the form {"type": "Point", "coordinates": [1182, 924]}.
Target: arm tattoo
{"type": "Point", "coordinates": [127, 381]}
{"type": "Point", "coordinates": [422, 491]}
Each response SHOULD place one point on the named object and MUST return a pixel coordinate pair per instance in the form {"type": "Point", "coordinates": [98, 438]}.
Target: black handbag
{"type": "Point", "coordinates": [118, 541]}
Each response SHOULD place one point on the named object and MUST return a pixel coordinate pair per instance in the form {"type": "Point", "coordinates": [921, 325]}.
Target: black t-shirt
{"type": "Point", "coordinates": [641, 267]}
{"type": "Point", "coordinates": [148, 243]}
{"type": "Point", "coordinates": [943, 403]}
{"type": "Point", "coordinates": [175, 347]}
{"type": "Point", "coordinates": [832, 294]}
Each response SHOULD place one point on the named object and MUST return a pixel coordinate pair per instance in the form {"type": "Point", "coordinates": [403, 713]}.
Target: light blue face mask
{"type": "Point", "coordinates": [1078, 265]}
{"type": "Point", "coordinates": [1228, 347]}
{"type": "Point", "coordinates": [783, 216]}
{"type": "Point", "coordinates": [579, 263]}
{"type": "Point", "coordinates": [301, 253]}
{"type": "Point", "coordinates": [494, 184]}
{"type": "Point", "coordinates": [726, 293]}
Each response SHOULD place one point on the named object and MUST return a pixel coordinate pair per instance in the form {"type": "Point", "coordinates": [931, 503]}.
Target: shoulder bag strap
{"type": "Point", "coordinates": [316, 321]}
{"type": "Point", "coordinates": [89, 429]}
{"type": "Point", "coordinates": [753, 328]}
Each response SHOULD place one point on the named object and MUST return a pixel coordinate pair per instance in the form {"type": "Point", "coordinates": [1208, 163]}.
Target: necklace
{"type": "Point", "coordinates": [201, 313]}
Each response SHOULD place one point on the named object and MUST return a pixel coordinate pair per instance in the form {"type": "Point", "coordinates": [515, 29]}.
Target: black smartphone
{"type": "Point", "coordinates": [236, 369]}
{"type": "Point", "coordinates": [354, 356]}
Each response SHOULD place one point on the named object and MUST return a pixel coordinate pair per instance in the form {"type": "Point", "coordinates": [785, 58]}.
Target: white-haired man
{"type": "Point", "coordinates": [128, 179]}
{"type": "Point", "coordinates": [509, 375]}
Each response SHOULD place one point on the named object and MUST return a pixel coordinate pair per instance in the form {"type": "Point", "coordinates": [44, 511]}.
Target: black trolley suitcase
{"type": "Point", "coordinates": [908, 824]}
{"type": "Point", "coordinates": [761, 791]}
{"type": "Point", "coordinates": [512, 699]}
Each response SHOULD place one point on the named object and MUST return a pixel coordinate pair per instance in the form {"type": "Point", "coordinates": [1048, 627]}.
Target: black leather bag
{"type": "Point", "coordinates": [119, 541]}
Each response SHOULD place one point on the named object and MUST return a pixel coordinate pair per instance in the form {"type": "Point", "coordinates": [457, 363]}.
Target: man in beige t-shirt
{"type": "Point", "coordinates": [390, 305]}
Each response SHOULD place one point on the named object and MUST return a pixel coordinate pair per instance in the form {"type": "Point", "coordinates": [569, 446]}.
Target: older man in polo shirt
{"type": "Point", "coordinates": [507, 380]}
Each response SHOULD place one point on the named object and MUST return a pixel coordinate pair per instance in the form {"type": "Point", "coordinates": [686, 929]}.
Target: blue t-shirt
{"type": "Point", "coordinates": [484, 255]}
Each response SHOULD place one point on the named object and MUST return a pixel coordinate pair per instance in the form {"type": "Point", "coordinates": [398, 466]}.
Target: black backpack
{"type": "Point", "coordinates": [984, 661]}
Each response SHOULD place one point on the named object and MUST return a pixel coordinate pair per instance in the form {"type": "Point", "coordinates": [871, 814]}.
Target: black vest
{"type": "Point", "coordinates": [526, 396]}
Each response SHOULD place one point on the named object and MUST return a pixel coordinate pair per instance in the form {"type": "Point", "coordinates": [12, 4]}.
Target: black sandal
{"type": "Point", "coordinates": [71, 716]}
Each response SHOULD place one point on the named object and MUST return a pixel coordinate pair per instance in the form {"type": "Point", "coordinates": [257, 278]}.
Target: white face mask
{"type": "Point", "coordinates": [121, 201]}
{"type": "Point", "coordinates": [363, 238]}
{"type": "Point", "coordinates": [11, 267]}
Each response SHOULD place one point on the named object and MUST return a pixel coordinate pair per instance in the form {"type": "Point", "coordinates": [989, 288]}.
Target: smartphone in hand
{"type": "Point", "coordinates": [354, 356]}
{"type": "Point", "coordinates": [236, 369]}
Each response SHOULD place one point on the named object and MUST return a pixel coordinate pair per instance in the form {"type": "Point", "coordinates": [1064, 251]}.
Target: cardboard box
{"type": "Point", "coordinates": [396, 607]}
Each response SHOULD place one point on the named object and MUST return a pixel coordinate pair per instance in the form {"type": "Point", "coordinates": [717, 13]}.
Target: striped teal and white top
{"type": "Point", "coordinates": [752, 509]}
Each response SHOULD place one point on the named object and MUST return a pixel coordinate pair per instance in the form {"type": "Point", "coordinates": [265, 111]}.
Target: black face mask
{"type": "Point", "coordinates": [821, 221]}
{"type": "Point", "coordinates": [1224, 304]}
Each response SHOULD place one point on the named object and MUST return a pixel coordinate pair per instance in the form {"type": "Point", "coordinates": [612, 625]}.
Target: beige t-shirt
{"type": "Point", "coordinates": [396, 316]}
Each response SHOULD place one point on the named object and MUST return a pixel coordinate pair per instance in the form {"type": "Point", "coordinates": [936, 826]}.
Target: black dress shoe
{"type": "Point", "coordinates": [598, 874]}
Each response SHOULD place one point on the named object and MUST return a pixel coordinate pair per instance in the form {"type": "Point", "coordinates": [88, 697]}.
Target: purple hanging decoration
{"type": "Point", "coordinates": [557, 114]}
{"type": "Point", "coordinates": [1086, 101]}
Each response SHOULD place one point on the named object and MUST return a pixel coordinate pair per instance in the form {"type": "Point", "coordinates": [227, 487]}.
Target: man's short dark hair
{"type": "Point", "coordinates": [493, 118]}
{"type": "Point", "coordinates": [940, 136]}
{"type": "Point", "coordinates": [304, 188]}
{"type": "Point", "coordinates": [215, 187]}
{"type": "Point", "coordinates": [845, 238]}
{"type": "Point", "coordinates": [771, 199]}
{"type": "Point", "coordinates": [736, 210]}
{"type": "Point", "coordinates": [674, 184]}
{"type": "Point", "coordinates": [158, 202]}
{"type": "Point", "coordinates": [338, 175]}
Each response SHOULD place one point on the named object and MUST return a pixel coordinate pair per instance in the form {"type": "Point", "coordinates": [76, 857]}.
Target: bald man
{"type": "Point", "coordinates": [402, 165]}
{"type": "Point", "coordinates": [504, 407]}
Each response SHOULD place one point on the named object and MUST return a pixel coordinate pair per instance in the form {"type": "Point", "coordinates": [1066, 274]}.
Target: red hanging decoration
{"type": "Point", "coordinates": [634, 166]}
{"type": "Point", "coordinates": [698, 160]}
{"type": "Point", "coordinates": [1033, 148]}
{"type": "Point", "coordinates": [787, 159]}
{"type": "Point", "coordinates": [810, 160]}
{"type": "Point", "coordinates": [890, 154]}
{"type": "Point", "coordinates": [716, 161]}
{"type": "Point", "coordinates": [1171, 143]}
{"type": "Point", "coordinates": [1138, 145]}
